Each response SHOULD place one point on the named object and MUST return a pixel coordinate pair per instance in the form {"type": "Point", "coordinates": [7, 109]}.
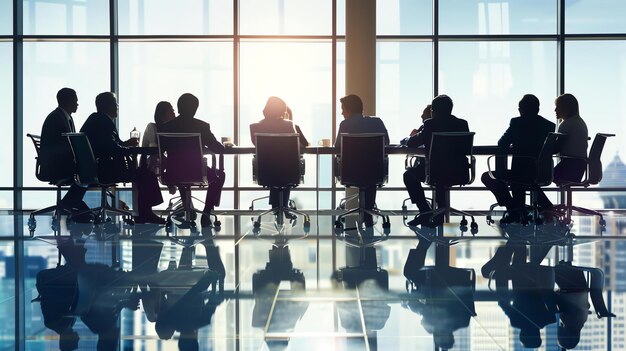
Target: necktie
{"type": "Point", "coordinates": [72, 128]}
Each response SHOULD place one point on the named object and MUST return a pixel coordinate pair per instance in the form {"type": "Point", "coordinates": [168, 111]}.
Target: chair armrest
{"type": "Point", "coordinates": [302, 168]}
{"type": "Point", "coordinates": [489, 170]}
{"type": "Point", "coordinates": [337, 164]}
{"type": "Point", "coordinates": [254, 169]}
{"type": "Point", "coordinates": [205, 179]}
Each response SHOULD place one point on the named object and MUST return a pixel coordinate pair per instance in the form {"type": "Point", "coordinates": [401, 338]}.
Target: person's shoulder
{"type": "Point", "coordinates": [546, 122]}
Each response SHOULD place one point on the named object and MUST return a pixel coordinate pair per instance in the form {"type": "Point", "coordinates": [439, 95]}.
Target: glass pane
{"type": "Point", "coordinates": [66, 17]}
{"type": "Point", "coordinates": [341, 17]}
{"type": "Point", "coordinates": [497, 17]}
{"type": "Point", "coordinates": [300, 74]}
{"type": "Point", "coordinates": [6, 203]}
{"type": "Point", "coordinates": [406, 17]}
{"type": "Point", "coordinates": [7, 290]}
{"type": "Point", "coordinates": [594, 73]}
{"type": "Point", "coordinates": [6, 17]}
{"type": "Point", "coordinates": [595, 16]}
{"type": "Point", "coordinates": [6, 110]}
{"type": "Point", "coordinates": [488, 85]}
{"type": "Point", "coordinates": [404, 85]}
{"type": "Point", "coordinates": [152, 72]}
{"type": "Point", "coordinates": [164, 17]}
{"type": "Point", "coordinates": [282, 17]}
{"type": "Point", "coordinates": [50, 66]}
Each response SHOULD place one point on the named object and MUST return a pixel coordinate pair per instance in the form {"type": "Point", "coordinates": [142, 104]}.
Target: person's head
{"type": "Point", "coordinates": [426, 113]}
{"type": "Point", "coordinates": [188, 105]}
{"type": "Point", "coordinates": [107, 103]}
{"type": "Point", "coordinates": [275, 107]}
{"type": "Point", "coordinates": [566, 106]}
{"type": "Point", "coordinates": [443, 340]}
{"type": "Point", "coordinates": [350, 105]}
{"type": "Point", "coordinates": [528, 105]}
{"type": "Point", "coordinates": [164, 112]}
{"type": "Point", "coordinates": [67, 100]}
{"type": "Point", "coordinates": [288, 114]}
{"type": "Point", "coordinates": [441, 106]}
{"type": "Point", "coordinates": [530, 337]}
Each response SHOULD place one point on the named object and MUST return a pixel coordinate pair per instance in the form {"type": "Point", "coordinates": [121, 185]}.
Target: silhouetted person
{"type": "Point", "coordinates": [572, 165]}
{"type": "Point", "coordinates": [572, 299]}
{"type": "Point", "coordinates": [149, 164]}
{"type": "Point", "coordinates": [115, 163]}
{"type": "Point", "coordinates": [355, 122]}
{"type": "Point", "coordinates": [56, 158]}
{"type": "Point", "coordinates": [426, 114]}
{"type": "Point", "coordinates": [274, 111]}
{"type": "Point", "coordinates": [289, 117]}
{"type": "Point", "coordinates": [186, 123]}
{"type": "Point", "coordinates": [442, 121]}
{"type": "Point", "coordinates": [525, 135]}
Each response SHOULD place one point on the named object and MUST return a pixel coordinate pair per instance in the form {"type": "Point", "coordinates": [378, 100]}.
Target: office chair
{"type": "Point", "coordinates": [593, 175]}
{"type": "Point", "coordinates": [58, 208]}
{"type": "Point", "coordinates": [362, 164]}
{"type": "Point", "coordinates": [278, 165]}
{"type": "Point", "coordinates": [182, 164]}
{"type": "Point", "coordinates": [450, 163]}
{"type": "Point", "coordinates": [543, 177]}
{"type": "Point", "coordinates": [87, 175]}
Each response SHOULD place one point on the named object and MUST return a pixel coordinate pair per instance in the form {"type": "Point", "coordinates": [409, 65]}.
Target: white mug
{"type": "Point", "coordinates": [227, 142]}
{"type": "Point", "coordinates": [324, 142]}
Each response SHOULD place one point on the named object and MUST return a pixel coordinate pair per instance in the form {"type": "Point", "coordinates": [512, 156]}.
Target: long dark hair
{"type": "Point", "coordinates": [160, 113]}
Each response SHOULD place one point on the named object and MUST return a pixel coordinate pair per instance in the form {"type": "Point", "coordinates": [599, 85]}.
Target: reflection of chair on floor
{"type": "Point", "coordinates": [362, 164]}
{"type": "Point", "coordinates": [58, 208]}
{"type": "Point", "coordinates": [366, 268]}
{"type": "Point", "coordinates": [593, 175]}
{"type": "Point", "coordinates": [279, 166]}
{"type": "Point", "coordinates": [87, 175]}
{"type": "Point", "coordinates": [278, 268]}
{"type": "Point", "coordinates": [544, 177]}
{"type": "Point", "coordinates": [449, 163]}
{"type": "Point", "coordinates": [183, 165]}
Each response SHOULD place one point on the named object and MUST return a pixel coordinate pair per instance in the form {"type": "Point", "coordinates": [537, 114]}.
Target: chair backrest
{"type": "Point", "coordinates": [594, 162]}
{"type": "Point", "coordinates": [363, 161]}
{"type": "Point", "coordinates": [277, 159]}
{"type": "Point", "coordinates": [448, 161]}
{"type": "Point", "coordinates": [182, 159]}
{"type": "Point", "coordinates": [545, 163]}
{"type": "Point", "coordinates": [86, 164]}
{"type": "Point", "coordinates": [36, 139]}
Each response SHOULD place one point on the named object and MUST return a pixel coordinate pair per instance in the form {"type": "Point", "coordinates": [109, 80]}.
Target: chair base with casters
{"type": "Point", "coordinates": [58, 210]}
{"type": "Point", "coordinates": [184, 206]}
{"type": "Point", "coordinates": [528, 214]}
{"type": "Point", "coordinates": [361, 211]}
{"type": "Point", "coordinates": [280, 212]}
{"type": "Point", "coordinates": [279, 268]}
{"type": "Point", "coordinates": [565, 211]}
{"type": "Point", "coordinates": [447, 211]}
{"type": "Point", "coordinates": [101, 213]}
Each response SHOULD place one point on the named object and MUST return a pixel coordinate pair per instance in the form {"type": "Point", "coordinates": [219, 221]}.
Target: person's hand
{"type": "Point", "coordinates": [413, 132]}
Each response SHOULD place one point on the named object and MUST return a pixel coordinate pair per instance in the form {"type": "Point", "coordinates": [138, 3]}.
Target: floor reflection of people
{"type": "Point", "coordinates": [265, 282]}
{"type": "Point", "coordinates": [442, 295]}
{"type": "Point", "coordinates": [94, 292]}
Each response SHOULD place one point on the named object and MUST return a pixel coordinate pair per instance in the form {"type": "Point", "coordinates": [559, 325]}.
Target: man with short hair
{"type": "Point", "coordinates": [355, 122]}
{"type": "Point", "coordinates": [56, 159]}
{"type": "Point", "coordinates": [187, 123]}
{"type": "Point", "coordinates": [525, 136]}
{"type": "Point", "coordinates": [442, 120]}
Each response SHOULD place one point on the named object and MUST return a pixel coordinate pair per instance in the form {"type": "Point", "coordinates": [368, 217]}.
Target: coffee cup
{"type": "Point", "coordinates": [324, 142]}
{"type": "Point", "coordinates": [226, 141]}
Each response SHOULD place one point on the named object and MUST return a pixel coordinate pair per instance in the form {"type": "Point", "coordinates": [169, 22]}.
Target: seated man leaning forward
{"type": "Point", "coordinates": [442, 120]}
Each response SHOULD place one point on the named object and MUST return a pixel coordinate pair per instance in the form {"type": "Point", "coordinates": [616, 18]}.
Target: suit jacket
{"type": "Point", "coordinates": [361, 124]}
{"type": "Point", "coordinates": [55, 156]}
{"type": "Point", "coordinates": [526, 136]}
{"type": "Point", "coordinates": [275, 125]}
{"type": "Point", "coordinates": [433, 125]}
{"type": "Point", "coordinates": [193, 125]}
{"type": "Point", "coordinates": [107, 148]}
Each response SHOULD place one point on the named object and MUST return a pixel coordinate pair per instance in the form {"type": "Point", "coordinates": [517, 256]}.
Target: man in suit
{"type": "Point", "coordinates": [186, 123]}
{"type": "Point", "coordinates": [56, 160]}
{"type": "Point", "coordinates": [442, 121]}
{"type": "Point", "coordinates": [355, 122]}
{"type": "Point", "coordinates": [114, 162]}
{"type": "Point", "coordinates": [525, 135]}
{"type": "Point", "coordinates": [274, 110]}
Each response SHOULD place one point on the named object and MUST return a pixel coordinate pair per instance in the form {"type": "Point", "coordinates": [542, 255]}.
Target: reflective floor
{"type": "Point", "coordinates": [143, 287]}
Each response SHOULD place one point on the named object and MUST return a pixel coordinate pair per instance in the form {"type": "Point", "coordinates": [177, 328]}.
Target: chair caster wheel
{"type": "Point", "coordinates": [463, 228]}
{"type": "Point", "coordinates": [602, 222]}
{"type": "Point", "coordinates": [386, 225]}
{"type": "Point", "coordinates": [256, 225]}
{"type": "Point", "coordinates": [168, 227]}
{"type": "Point", "coordinates": [474, 228]}
{"type": "Point", "coordinates": [32, 223]}
{"type": "Point", "coordinates": [338, 224]}
{"type": "Point", "coordinates": [404, 208]}
{"type": "Point", "coordinates": [490, 220]}
{"type": "Point", "coordinates": [338, 230]}
{"type": "Point", "coordinates": [217, 224]}
{"type": "Point", "coordinates": [306, 224]}
{"type": "Point", "coordinates": [463, 222]}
